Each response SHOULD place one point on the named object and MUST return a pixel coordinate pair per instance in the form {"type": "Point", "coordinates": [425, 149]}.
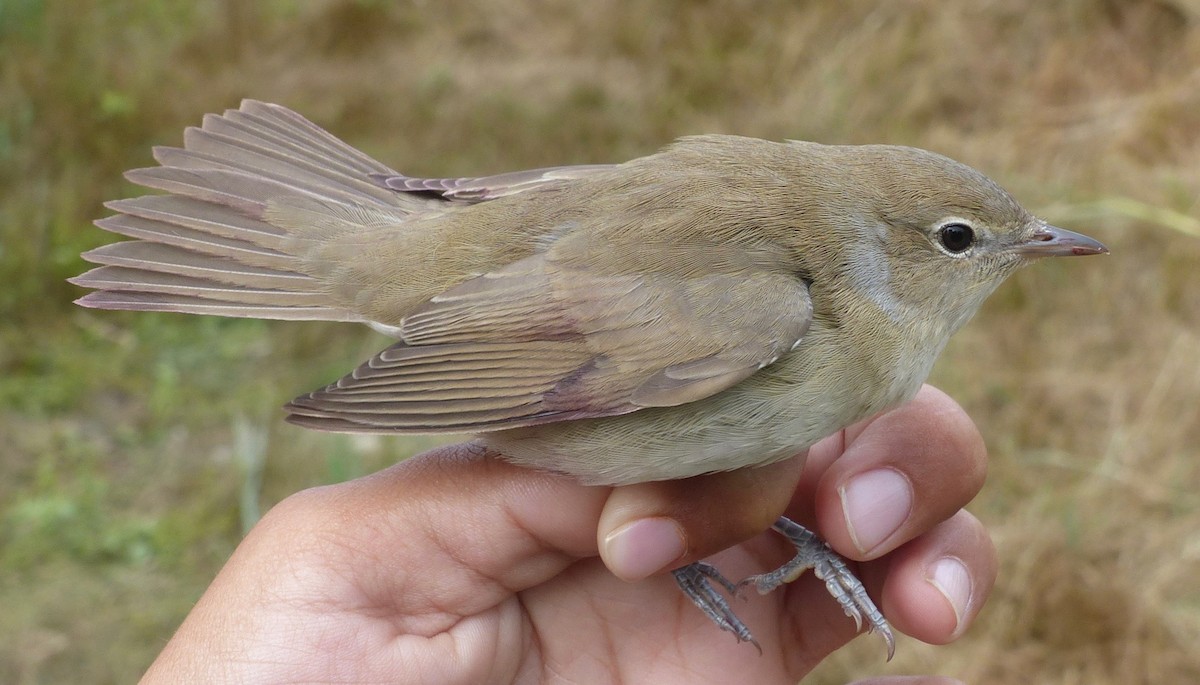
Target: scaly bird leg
{"type": "Point", "coordinates": [811, 553]}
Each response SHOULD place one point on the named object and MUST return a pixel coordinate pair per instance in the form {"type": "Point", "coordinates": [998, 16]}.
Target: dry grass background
{"type": "Point", "coordinates": [136, 447]}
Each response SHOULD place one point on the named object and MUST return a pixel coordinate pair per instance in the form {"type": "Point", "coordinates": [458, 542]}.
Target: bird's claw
{"type": "Point", "coordinates": [696, 582]}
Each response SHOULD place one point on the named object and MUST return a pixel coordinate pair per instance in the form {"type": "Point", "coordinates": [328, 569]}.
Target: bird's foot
{"type": "Point", "coordinates": [696, 581]}
{"type": "Point", "coordinates": [829, 566]}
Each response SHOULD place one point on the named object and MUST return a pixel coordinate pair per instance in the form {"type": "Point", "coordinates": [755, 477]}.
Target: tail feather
{"type": "Point", "coordinates": [168, 259]}
{"type": "Point", "coordinates": [256, 132]}
{"type": "Point", "coordinates": [291, 125]}
{"type": "Point", "coordinates": [185, 304]}
{"type": "Point", "coordinates": [301, 168]}
{"type": "Point", "coordinates": [166, 214]}
{"type": "Point", "coordinates": [244, 192]}
{"type": "Point", "coordinates": [143, 280]}
{"type": "Point", "coordinates": [216, 243]}
{"type": "Point", "coordinates": [189, 239]}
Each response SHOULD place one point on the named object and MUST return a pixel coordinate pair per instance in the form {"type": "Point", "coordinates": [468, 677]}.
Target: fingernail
{"type": "Point", "coordinates": [949, 576]}
{"type": "Point", "coordinates": [644, 547]}
{"type": "Point", "coordinates": [875, 504]}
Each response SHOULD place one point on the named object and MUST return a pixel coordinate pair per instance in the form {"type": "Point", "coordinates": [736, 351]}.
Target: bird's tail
{"type": "Point", "coordinates": [215, 245]}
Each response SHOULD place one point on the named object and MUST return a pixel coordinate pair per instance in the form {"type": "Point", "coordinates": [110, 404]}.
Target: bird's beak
{"type": "Point", "coordinates": [1052, 241]}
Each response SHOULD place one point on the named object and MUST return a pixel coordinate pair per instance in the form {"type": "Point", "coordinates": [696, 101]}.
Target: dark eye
{"type": "Point", "coordinates": [956, 238]}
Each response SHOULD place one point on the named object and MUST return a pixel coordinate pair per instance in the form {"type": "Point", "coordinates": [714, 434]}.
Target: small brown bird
{"type": "Point", "coordinates": [721, 304]}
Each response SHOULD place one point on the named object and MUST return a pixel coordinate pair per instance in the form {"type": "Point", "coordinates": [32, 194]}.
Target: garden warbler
{"type": "Point", "coordinates": [720, 304]}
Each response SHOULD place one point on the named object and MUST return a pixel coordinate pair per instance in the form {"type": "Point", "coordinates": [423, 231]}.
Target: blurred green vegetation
{"type": "Point", "coordinates": [132, 446]}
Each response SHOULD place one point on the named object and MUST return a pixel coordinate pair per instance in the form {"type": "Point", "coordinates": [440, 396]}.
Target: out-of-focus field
{"type": "Point", "coordinates": [135, 448]}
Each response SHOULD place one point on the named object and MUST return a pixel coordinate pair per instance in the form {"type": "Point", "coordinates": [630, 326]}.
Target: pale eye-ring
{"type": "Point", "coordinates": [956, 237]}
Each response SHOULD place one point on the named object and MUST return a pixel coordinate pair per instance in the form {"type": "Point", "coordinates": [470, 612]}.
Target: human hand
{"type": "Point", "coordinates": [456, 567]}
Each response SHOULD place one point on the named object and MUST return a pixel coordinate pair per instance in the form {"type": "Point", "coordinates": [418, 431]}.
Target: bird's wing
{"type": "Point", "coordinates": [541, 341]}
{"type": "Point", "coordinates": [478, 189]}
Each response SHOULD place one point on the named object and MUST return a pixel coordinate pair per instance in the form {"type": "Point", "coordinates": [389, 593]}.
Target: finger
{"type": "Point", "coordinates": [899, 474]}
{"type": "Point", "coordinates": [932, 588]}
{"type": "Point", "coordinates": [651, 527]}
{"type": "Point", "coordinates": [936, 584]}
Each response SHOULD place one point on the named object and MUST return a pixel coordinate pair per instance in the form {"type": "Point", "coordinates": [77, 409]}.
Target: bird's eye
{"type": "Point", "coordinates": [956, 238]}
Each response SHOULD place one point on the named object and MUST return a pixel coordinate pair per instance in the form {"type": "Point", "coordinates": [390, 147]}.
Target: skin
{"type": "Point", "coordinates": [457, 567]}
